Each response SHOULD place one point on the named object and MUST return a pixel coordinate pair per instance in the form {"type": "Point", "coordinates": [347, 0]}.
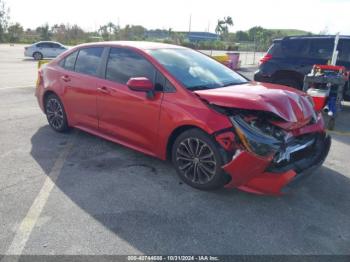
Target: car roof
{"type": "Point", "coordinates": [144, 45]}
{"type": "Point", "coordinates": [47, 42]}
{"type": "Point", "coordinates": [311, 37]}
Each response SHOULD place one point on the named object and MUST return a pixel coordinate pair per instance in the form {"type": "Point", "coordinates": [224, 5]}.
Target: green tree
{"type": "Point", "coordinates": [254, 31]}
{"type": "Point", "coordinates": [75, 34]}
{"type": "Point", "coordinates": [242, 36]}
{"type": "Point", "coordinates": [175, 37]}
{"type": "Point", "coordinates": [15, 32]}
{"type": "Point", "coordinates": [103, 32]}
{"type": "Point", "coordinates": [4, 18]}
{"type": "Point", "coordinates": [111, 28]}
{"type": "Point", "coordinates": [132, 32]}
{"type": "Point", "coordinates": [44, 32]}
{"type": "Point", "coordinates": [137, 32]}
{"type": "Point", "coordinates": [109, 31]}
{"type": "Point", "coordinates": [59, 33]}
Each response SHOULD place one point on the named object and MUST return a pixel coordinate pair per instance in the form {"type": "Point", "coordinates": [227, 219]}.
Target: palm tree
{"type": "Point", "coordinates": [219, 27]}
{"type": "Point", "coordinates": [222, 25]}
{"type": "Point", "coordinates": [111, 28]}
{"type": "Point", "coordinates": [228, 21]}
{"type": "Point", "coordinates": [103, 31]}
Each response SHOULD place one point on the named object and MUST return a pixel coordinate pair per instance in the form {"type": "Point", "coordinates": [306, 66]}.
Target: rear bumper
{"type": "Point", "coordinates": [39, 94]}
{"type": "Point", "coordinates": [28, 53]}
{"type": "Point", "coordinates": [254, 174]}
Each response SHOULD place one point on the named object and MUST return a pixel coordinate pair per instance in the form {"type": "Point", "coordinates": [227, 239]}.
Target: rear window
{"type": "Point", "coordinates": [294, 47]}
{"type": "Point", "coordinates": [88, 60]}
{"type": "Point", "coordinates": [321, 48]}
{"type": "Point", "coordinates": [275, 50]}
{"type": "Point", "coordinates": [69, 62]}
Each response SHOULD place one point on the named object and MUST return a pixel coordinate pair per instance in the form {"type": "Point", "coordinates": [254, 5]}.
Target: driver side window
{"type": "Point", "coordinates": [124, 63]}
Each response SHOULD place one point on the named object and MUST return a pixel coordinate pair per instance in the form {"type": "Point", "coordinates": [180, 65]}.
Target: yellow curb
{"type": "Point", "coordinates": [338, 133]}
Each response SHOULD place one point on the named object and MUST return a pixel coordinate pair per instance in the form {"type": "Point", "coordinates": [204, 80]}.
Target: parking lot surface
{"type": "Point", "coordinates": [78, 194]}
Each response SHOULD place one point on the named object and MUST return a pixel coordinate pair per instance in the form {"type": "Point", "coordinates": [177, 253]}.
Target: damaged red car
{"type": "Point", "coordinates": [171, 102]}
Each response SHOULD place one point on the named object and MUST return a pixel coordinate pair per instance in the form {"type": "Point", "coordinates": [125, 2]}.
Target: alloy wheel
{"type": "Point", "coordinates": [54, 113]}
{"type": "Point", "coordinates": [196, 160]}
{"type": "Point", "coordinates": [38, 56]}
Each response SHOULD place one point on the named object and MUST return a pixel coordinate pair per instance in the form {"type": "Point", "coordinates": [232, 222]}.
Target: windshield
{"type": "Point", "coordinates": [194, 70]}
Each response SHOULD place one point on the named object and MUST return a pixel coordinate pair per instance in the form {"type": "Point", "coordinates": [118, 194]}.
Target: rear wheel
{"type": "Point", "coordinates": [55, 113]}
{"type": "Point", "coordinates": [331, 123]}
{"type": "Point", "coordinates": [198, 161]}
{"type": "Point", "coordinates": [37, 56]}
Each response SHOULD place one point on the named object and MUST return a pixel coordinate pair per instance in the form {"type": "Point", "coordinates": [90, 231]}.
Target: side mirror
{"type": "Point", "coordinates": [141, 84]}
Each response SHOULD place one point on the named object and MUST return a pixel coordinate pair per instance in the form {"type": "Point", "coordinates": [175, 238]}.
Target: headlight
{"type": "Point", "coordinates": [253, 139]}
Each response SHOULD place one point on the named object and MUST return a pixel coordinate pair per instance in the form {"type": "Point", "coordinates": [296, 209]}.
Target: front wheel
{"type": "Point", "coordinates": [198, 161]}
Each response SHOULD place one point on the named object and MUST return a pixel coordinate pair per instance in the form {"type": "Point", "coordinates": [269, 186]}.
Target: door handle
{"type": "Point", "coordinates": [103, 90]}
{"type": "Point", "coordinates": [65, 78]}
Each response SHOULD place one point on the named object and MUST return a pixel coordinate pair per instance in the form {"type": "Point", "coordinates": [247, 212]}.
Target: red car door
{"type": "Point", "coordinates": [128, 116]}
{"type": "Point", "coordinates": [80, 87]}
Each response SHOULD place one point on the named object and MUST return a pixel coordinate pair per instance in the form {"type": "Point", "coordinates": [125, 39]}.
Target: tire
{"type": "Point", "coordinates": [55, 113]}
{"type": "Point", "coordinates": [37, 56]}
{"type": "Point", "coordinates": [331, 123]}
{"type": "Point", "coordinates": [289, 82]}
{"type": "Point", "coordinates": [198, 161]}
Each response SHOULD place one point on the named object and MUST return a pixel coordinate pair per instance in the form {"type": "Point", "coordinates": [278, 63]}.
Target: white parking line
{"type": "Point", "coordinates": [14, 87]}
{"type": "Point", "coordinates": [28, 223]}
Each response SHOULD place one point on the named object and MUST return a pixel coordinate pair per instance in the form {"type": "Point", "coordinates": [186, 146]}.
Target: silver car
{"type": "Point", "coordinates": [44, 49]}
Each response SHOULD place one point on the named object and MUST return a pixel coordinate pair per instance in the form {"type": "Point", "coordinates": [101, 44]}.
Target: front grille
{"type": "Point", "coordinates": [301, 159]}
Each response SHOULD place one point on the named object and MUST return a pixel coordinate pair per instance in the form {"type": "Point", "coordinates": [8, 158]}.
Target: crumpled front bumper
{"type": "Point", "coordinates": [259, 175]}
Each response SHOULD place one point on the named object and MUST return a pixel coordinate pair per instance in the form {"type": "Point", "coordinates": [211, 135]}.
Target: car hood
{"type": "Point", "coordinates": [287, 103]}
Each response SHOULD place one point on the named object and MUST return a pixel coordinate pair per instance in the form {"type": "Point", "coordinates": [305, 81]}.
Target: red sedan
{"type": "Point", "coordinates": [175, 103]}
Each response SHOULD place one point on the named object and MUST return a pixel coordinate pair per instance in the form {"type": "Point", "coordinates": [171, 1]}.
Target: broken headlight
{"type": "Point", "coordinates": [257, 139]}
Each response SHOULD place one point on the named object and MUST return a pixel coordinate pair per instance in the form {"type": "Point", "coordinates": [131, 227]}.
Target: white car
{"type": "Point", "coordinates": [44, 49]}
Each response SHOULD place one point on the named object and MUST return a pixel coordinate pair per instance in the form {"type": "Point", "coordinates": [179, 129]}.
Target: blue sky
{"type": "Point", "coordinates": [311, 15]}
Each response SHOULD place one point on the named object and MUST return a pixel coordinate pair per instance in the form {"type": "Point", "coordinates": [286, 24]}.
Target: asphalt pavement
{"type": "Point", "coordinates": [76, 194]}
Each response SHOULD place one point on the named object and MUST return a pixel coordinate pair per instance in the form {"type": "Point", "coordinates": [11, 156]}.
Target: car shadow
{"type": "Point", "coordinates": [34, 61]}
{"type": "Point", "coordinates": [341, 132]}
{"type": "Point", "coordinates": [140, 200]}
{"type": "Point", "coordinates": [342, 138]}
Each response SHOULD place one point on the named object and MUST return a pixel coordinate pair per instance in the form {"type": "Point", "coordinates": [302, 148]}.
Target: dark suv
{"type": "Point", "coordinates": [289, 59]}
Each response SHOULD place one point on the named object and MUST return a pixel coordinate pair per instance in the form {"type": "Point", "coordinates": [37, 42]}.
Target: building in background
{"type": "Point", "coordinates": [202, 36]}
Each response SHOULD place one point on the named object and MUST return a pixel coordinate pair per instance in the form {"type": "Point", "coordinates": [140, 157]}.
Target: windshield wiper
{"type": "Point", "coordinates": [199, 87]}
{"type": "Point", "coordinates": [232, 84]}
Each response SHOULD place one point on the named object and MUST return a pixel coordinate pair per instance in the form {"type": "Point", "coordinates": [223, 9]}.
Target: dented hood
{"type": "Point", "coordinates": [289, 104]}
